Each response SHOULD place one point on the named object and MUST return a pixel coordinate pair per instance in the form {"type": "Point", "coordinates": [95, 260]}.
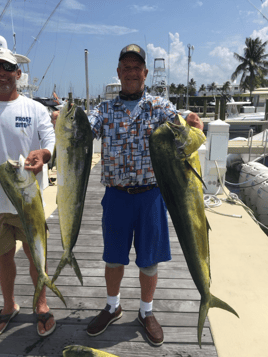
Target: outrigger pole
{"type": "Point", "coordinates": [3, 12]}
{"type": "Point", "coordinates": [36, 38]}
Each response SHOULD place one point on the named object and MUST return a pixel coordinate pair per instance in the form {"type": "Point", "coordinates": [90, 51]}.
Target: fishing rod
{"type": "Point", "coordinates": [5, 8]}
{"type": "Point", "coordinates": [258, 10]}
{"type": "Point", "coordinates": [36, 38]}
{"type": "Point", "coordinates": [46, 71]}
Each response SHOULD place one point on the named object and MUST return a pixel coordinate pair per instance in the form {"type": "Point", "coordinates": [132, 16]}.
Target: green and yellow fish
{"type": "Point", "coordinates": [82, 351]}
{"type": "Point", "coordinates": [173, 150]}
{"type": "Point", "coordinates": [74, 149]}
{"type": "Point", "coordinates": [22, 189]}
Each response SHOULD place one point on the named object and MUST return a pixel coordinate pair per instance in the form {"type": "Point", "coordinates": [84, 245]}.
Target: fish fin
{"type": "Point", "coordinates": [76, 268]}
{"type": "Point", "coordinates": [44, 280]}
{"type": "Point", "coordinates": [203, 311]}
{"type": "Point", "coordinates": [53, 160]}
{"type": "Point", "coordinates": [195, 172]}
{"type": "Point", "coordinates": [68, 258]}
{"type": "Point", "coordinates": [208, 225]}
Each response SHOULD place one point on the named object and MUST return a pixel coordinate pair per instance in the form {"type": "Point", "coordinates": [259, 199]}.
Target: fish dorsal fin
{"type": "Point", "coordinates": [189, 166]}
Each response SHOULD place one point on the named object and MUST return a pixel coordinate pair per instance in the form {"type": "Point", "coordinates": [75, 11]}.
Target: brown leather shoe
{"type": "Point", "coordinates": [100, 323]}
{"type": "Point", "coordinates": [153, 330]}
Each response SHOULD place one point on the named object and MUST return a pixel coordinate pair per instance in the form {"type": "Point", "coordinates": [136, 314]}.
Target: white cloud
{"type": "Point", "coordinates": [245, 13]}
{"type": "Point", "coordinates": [100, 29]}
{"type": "Point", "coordinates": [219, 71]}
{"type": "Point", "coordinates": [74, 5]}
{"type": "Point", "coordinates": [144, 8]}
{"type": "Point", "coordinates": [262, 34]}
{"type": "Point", "coordinates": [198, 3]}
{"type": "Point", "coordinates": [265, 4]}
{"type": "Point", "coordinates": [225, 56]}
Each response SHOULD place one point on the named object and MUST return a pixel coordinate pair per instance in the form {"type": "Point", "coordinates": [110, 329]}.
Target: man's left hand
{"type": "Point", "coordinates": [36, 160]}
{"type": "Point", "coordinates": [193, 120]}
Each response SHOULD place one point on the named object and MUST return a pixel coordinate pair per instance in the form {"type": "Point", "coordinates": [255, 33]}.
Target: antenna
{"type": "Point", "coordinates": [36, 38]}
{"type": "Point", "coordinates": [168, 83]}
{"type": "Point", "coordinates": [146, 49]}
{"type": "Point", "coordinates": [14, 34]}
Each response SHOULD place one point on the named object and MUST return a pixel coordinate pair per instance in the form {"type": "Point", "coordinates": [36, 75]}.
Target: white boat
{"type": "Point", "coordinates": [242, 110]}
{"type": "Point", "coordinates": [253, 182]}
{"type": "Point", "coordinates": [112, 90]}
{"type": "Point", "coordinates": [248, 111]}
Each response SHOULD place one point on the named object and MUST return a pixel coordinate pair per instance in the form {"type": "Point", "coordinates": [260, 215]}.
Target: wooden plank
{"type": "Point", "coordinates": [97, 281]}
{"type": "Point", "coordinates": [75, 316]}
{"type": "Point", "coordinates": [81, 291]}
{"type": "Point", "coordinates": [97, 270]}
{"type": "Point", "coordinates": [242, 147]}
{"type": "Point", "coordinates": [131, 344]}
{"type": "Point", "coordinates": [93, 303]}
{"type": "Point", "coordinates": [52, 263]}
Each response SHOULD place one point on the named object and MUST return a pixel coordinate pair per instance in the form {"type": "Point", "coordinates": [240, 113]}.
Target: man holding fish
{"type": "Point", "coordinates": [25, 126]}
{"type": "Point", "coordinates": [132, 202]}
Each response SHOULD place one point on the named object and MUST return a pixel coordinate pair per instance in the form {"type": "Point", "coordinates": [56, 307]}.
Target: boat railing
{"type": "Point", "coordinates": [264, 143]}
{"type": "Point", "coordinates": [250, 139]}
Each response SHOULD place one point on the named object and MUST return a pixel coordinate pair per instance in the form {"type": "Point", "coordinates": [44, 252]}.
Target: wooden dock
{"type": "Point", "coordinates": [243, 147]}
{"type": "Point", "coordinates": [176, 301]}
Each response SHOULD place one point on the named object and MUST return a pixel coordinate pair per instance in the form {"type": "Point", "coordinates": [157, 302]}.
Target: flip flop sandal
{"type": "Point", "coordinates": [8, 317]}
{"type": "Point", "coordinates": [44, 318]}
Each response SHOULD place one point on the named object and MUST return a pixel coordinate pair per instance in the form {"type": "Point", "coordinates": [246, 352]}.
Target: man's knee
{"type": "Point", "coordinates": [150, 271]}
{"type": "Point", "coordinates": [113, 265]}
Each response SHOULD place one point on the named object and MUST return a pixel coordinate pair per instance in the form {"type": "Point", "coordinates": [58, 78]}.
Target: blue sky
{"type": "Point", "coordinates": [215, 28]}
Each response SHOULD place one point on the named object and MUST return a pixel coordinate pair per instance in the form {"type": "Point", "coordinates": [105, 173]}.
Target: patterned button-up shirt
{"type": "Point", "coordinates": [125, 155]}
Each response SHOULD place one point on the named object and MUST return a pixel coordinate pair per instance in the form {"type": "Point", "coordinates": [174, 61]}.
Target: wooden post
{"type": "Point", "coordinates": [181, 101]}
{"type": "Point", "coordinates": [70, 100]}
{"type": "Point", "coordinates": [222, 108]}
{"type": "Point", "coordinates": [87, 88]}
{"type": "Point", "coordinates": [205, 108]}
{"type": "Point", "coordinates": [217, 108]}
{"type": "Point", "coordinates": [266, 110]}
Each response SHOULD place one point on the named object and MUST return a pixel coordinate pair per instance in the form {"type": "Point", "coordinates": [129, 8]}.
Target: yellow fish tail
{"type": "Point", "coordinates": [203, 311]}
{"type": "Point", "coordinates": [42, 281]}
{"type": "Point", "coordinates": [68, 258]}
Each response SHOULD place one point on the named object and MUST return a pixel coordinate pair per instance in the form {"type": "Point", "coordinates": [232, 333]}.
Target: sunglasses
{"type": "Point", "coordinates": [9, 67]}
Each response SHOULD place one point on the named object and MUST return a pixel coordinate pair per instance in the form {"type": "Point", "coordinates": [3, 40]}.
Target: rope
{"type": "Point", "coordinates": [231, 198]}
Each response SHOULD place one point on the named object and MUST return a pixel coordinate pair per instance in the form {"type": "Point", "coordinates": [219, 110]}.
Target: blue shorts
{"type": "Point", "coordinates": [145, 215]}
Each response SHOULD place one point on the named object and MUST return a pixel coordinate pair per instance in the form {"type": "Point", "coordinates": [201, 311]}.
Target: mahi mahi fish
{"type": "Point", "coordinates": [82, 351]}
{"type": "Point", "coordinates": [173, 151]}
{"type": "Point", "coordinates": [23, 190]}
{"type": "Point", "coordinates": [74, 148]}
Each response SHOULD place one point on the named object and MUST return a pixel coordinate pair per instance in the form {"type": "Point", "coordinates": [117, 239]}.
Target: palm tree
{"type": "Point", "coordinates": [181, 89]}
{"type": "Point", "coordinates": [226, 87]}
{"type": "Point", "coordinates": [212, 87]}
{"type": "Point", "coordinates": [253, 65]}
{"type": "Point", "coordinates": [172, 88]}
{"type": "Point", "coordinates": [192, 82]}
{"type": "Point", "coordinates": [192, 87]}
{"type": "Point", "coordinates": [202, 88]}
